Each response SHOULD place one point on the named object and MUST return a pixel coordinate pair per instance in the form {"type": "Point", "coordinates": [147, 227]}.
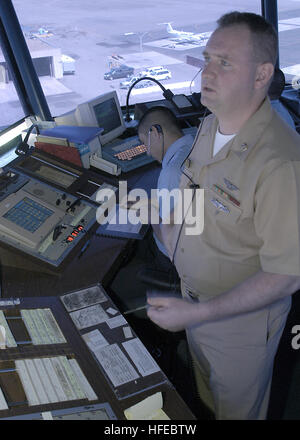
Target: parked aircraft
{"type": "Point", "coordinates": [185, 37]}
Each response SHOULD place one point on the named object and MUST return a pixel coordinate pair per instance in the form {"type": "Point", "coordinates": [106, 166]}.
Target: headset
{"type": "Point", "coordinates": [23, 147]}
{"type": "Point", "coordinates": [159, 131]}
{"type": "Point", "coordinates": [158, 128]}
{"type": "Point", "coordinates": [192, 185]}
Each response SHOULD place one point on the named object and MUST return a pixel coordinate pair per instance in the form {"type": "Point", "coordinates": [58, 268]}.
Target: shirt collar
{"type": "Point", "coordinates": [186, 139]}
{"type": "Point", "coordinates": [248, 136]}
{"type": "Point", "coordinates": [252, 130]}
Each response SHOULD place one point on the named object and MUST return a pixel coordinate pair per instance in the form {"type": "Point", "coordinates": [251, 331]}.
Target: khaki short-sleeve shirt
{"type": "Point", "coordinates": [251, 205]}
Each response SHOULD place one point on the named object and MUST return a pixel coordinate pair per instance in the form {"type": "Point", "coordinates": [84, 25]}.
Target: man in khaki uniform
{"type": "Point", "coordinates": [239, 274]}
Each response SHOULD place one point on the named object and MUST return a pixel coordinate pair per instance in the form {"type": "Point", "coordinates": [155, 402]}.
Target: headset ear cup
{"type": "Point", "coordinates": [22, 148]}
{"type": "Point", "coordinates": [158, 128]}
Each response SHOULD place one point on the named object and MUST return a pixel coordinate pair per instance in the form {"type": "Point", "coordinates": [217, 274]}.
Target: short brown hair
{"type": "Point", "coordinates": [159, 115]}
{"type": "Point", "coordinates": [264, 35]}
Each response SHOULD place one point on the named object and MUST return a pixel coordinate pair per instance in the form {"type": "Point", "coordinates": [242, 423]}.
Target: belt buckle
{"type": "Point", "coordinates": [192, 294]}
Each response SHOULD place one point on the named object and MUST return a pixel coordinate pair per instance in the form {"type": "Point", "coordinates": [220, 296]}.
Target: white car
{"type": "Point", "coordinates": [155, 69]}
{"type": "Point", "coordinates": [128, 83]}
{"type": "Point", "coordinates": [159, 75]}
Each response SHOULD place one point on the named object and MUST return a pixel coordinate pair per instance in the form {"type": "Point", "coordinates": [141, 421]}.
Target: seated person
{"type": "Point", "coordinates": [159, 130]}
{"type": "Point", "coordinates": [275, 90]}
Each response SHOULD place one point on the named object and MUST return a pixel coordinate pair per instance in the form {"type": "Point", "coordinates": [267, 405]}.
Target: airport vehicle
{"type": "Point", "coordinates": [155, 69]}
{"type": "Point", "coordinates": [68, 64]}
{"type": "Point", "coordinates": [128, 83]}
{"type": "Point", "coordinates": [144, 84]}
{"type": "Point", "coordinates": [119, 72]}
{"type": "Point", "coordinates": [160, 75]}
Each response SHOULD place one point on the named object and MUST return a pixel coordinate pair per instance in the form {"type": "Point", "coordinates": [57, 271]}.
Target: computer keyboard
{"type": "Point", "coordinates": [117, 152]}
{"type": "Point", "coordinates": [129, 154]}
{"type": "Point", "coordinates": [132, 152]}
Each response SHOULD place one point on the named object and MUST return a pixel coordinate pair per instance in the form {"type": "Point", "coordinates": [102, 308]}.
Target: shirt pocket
{"type": "Point", "coordinates": [218, 208]}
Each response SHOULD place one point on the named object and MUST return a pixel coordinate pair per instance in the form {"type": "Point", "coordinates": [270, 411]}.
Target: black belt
{"type": "Point", "coordinates": [192, 294]}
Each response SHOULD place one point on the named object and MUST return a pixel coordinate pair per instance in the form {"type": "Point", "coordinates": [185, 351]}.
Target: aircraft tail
{"type": "Point", "coordinates": [170, 30]}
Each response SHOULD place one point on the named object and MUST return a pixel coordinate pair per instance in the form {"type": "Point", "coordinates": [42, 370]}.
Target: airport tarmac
{"type": "Point", "coordinates": [91, 34]}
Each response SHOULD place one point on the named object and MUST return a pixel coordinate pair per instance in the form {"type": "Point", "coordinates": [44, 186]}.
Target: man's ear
{"type": "Point", "coordinates": [156, 128]}
{"type": "Point", "coordinates": [264, 74]}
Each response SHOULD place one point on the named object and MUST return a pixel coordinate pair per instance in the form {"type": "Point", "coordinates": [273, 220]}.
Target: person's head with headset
{"type": "Point", "coordinates": [158, 129]}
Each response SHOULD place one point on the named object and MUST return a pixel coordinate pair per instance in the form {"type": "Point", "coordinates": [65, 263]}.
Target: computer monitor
{"type": "Point", "coordinates": [103, 111]}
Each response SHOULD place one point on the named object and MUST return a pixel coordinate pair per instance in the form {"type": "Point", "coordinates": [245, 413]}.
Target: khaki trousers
{"type": "Point", "coordinates": [233, 360]}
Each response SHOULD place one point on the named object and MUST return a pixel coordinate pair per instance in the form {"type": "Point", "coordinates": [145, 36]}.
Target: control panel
{"type": "Point", "coordinates": [64, 176]}
{"type": "Point", "coordinates": [41, 220]}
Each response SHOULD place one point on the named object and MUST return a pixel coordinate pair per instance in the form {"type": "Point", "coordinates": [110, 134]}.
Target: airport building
{"type": "Point", "coordinates": [47, 60]}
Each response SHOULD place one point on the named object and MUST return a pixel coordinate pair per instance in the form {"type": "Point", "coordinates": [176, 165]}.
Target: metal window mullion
{"type": "Point", "coordinates": [23, 62]}
{"type": "Point", "coordinates": [15, 74]}
{"type": "Point", "coordinates": [269, 11]}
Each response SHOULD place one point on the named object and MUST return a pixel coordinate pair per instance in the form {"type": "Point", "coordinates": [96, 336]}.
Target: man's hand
{"type": "Point", "coordinates": [257, 291]}
{"type": "Point", "coordinates": [170, 313]}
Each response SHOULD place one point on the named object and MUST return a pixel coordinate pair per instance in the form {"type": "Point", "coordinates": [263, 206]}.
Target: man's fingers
{"type": "Point", "coordinates": [157, 301]}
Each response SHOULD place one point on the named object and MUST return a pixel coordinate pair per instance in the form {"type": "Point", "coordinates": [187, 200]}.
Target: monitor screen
{"type": "Point", "coordinates": [107, 115]}
{"type": "Point", "coordinates": [103, 111]}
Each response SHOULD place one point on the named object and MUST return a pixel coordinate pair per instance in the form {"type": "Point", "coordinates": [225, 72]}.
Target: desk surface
{"type": "Point", "coordinates": [75, 347]}
{"type": "Point", "coordinates": [21, 277]}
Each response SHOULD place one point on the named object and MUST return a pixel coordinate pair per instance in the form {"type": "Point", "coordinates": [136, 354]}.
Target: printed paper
{"type": "Point", "coordinates": [141, 357]}
{"type": "Point", "coordinates": [116, 365]}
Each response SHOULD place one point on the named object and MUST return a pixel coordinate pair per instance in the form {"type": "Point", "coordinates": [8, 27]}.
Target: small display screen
{"type": "Point", "coordinates": [107, 115]}
{"type": "Point", "coordinates": [28, 214]}
{"type": "Point", "coordinates": [48, 172]}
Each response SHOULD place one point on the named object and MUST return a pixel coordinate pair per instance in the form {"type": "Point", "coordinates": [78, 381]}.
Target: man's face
{"type": "Point", "coordinates": [228, 78]}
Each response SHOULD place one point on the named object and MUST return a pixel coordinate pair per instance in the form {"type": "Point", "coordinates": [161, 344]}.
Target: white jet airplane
{"type": "Point", "coordinates": [186, 37]}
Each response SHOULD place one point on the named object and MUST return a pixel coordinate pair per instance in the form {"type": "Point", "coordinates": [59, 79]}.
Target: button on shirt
{"type": "Point", "coordinates": [170, 174]}
{"type": "Point", "coordinates": [251, 205]}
